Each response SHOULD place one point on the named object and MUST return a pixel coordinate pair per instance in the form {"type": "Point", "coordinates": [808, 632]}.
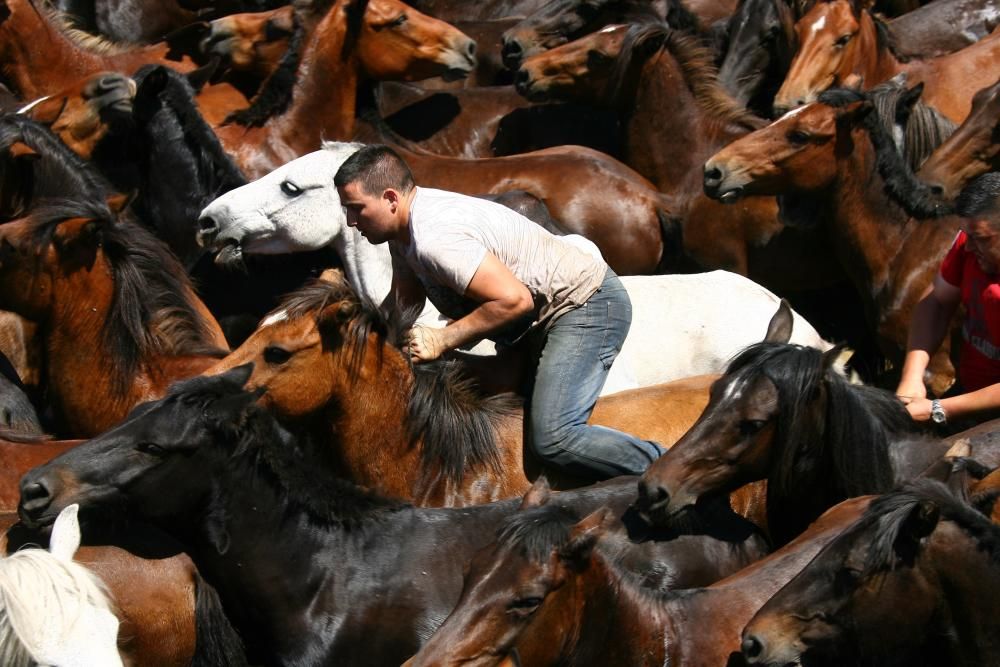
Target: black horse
{"type": "Point", "coordinates": [311, 569]}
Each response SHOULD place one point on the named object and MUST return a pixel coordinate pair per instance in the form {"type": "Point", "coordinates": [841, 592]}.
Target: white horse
{"type": "Point", "coordinates": [682, 325]}
{"type": "Point", "coordinates": [54, 611]}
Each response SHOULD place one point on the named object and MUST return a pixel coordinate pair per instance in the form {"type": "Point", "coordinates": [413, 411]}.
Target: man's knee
{"type": "Point", "coordinates": [547, 440]}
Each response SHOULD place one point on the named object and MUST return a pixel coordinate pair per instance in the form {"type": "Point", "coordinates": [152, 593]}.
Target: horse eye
{"type": "Point", "coordinates": [524, 606]}
{"type": "Point", "coordinates": [290, 189]}
{"type": "Point", "coordinates": [276, 355]}
{"type": "Point", "coordinates": [798, 137]}
{"type": "Point", "coordinates": [751, 426]}
{"type": "Point", "coordinates": [151, 448]}
{"type": "Point", "coordinates": [398, 21]}
{"type": "Point", "coordinates": [843, 40]}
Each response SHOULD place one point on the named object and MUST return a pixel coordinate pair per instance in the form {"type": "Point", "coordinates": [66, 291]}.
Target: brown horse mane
{"type": "Point", "coordinates": [891, 511]}
{"type": "Point", "coordinates": [456, 424]}
{"type": "Point", "coordinates": [697, 64]}
{"type": "Point", "coordinates": [89, 42]}
{"type": "Point", "coordinates": [151, 310]}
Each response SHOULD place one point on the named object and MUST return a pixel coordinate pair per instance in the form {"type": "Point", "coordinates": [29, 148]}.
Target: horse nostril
{"type": "Point", "coordinates": [35, 495]}
{"type": "Point", "coordinates": [752, 647]}
{"type": "Point", "coordinates": [471, 49]}
{"type": "Point", "coordinates": [521, 79]}
{"type": "Point", "coordinates": [7, 417]}
{"type": "Point", "coordinates": [651, 494]}
{"type": "Point", "coordinates": [937, 190]}
{"type": "Point", "coordinates": [207, 225]}
{"type": "Point", "coordinates": [511, 50]}
{"type": "Point", "coordinates": [713, 175]}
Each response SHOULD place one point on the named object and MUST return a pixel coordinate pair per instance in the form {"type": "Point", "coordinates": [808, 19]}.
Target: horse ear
{"type": "Point", "coordinates": [48, 111]}
{"type": "Point", "coordinates": [855, 112]}
{"type": "Point", "coordinates": [908, 100]}
{"type": "Point", "coordinates": [65, 539]}
{"type": "Point", "coordinates": [919, 523]}
{"type": "Point", "coordinates": [538, 494]}
{"type": "Point", "coordinates": [120, 202]}
{"type": "Point", "coordinates": [860, 6]}
{"type": "Point", "coordinates": [836, 358]}
{"type": "Point", "coordinates": [584, 536]}
{"type": "Point", "coordinates": [19, 149]}
{"type": "Point", "coordinates": [779, 329]}
{"type": "Point", "coordinates": [240, 374]}
{"type": "Point", "coordinates": [199, 77]}
{"type": "Point", "coordinates": [187, 41]}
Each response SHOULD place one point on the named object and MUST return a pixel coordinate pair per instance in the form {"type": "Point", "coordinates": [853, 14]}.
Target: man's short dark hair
{"type": "Point", "coordinates": [376, 167]}
{"type": "Point", "coordinates": [980, 199]}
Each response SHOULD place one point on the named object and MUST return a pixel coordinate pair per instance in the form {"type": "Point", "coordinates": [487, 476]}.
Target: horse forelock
{"type": "Point", "coordinates": [696, 62]}
{"type": "Point", "coordinates": [888, 515]}
{"type": "Point", "coordinates": [42, 596]}
{"type": "Point", "coordinates": [536, 531]}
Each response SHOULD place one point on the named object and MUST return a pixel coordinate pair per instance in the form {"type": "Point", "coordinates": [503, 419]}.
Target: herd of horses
{"type": "Point", "coordinates": [197, 356]}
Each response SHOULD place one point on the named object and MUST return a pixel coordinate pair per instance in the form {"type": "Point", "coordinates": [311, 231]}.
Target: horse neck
{"type": "Point", "coordinates": [876, 63]}
{"type": "Point", "coordinates": [368, 267]}
{"type": "Point", "coordinates": [662, 93]}
{"type": "Point", "coordinates": [324, 95]}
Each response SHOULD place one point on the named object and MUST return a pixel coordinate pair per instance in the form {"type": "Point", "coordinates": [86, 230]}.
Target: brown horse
{"type": "Point", "coordinates": [911, 582]}
{"type": "Point", "coordinates": [119, 318]}
{"type": "Point", "coordinates": [972, 150]}
{"type": "Point", "coordinates": [331, 369]}
{"type": "Point", "coordinates": [839, 38]}
{"type": "Point", "coordinates": [355, 39]}
{"type": "Point", "coordinates": [822, 159]}
{"type": "Point", "coordinates": [674, 115]}
{"type": "Point", "coordinates": [20, 454]}
{"type": "Point", "coordinates": [39, 55]}
{"type": "Point", "coordinates": [564, 598]}
{"type": "Point", "coordinates": [250, 43]}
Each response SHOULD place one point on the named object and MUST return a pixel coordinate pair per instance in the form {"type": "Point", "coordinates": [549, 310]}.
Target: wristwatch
{"type": "Point", "coordinates": [937, 413]}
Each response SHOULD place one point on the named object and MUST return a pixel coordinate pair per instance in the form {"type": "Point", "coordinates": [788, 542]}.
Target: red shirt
{"type": "Point", "coordinates": [979, 363]}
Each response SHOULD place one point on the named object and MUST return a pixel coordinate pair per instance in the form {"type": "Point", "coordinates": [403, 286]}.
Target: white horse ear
{"type": "Point", "coordinates": [65, 538]}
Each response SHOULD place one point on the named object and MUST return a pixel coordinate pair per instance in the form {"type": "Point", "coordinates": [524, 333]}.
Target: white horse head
{"type": "Point", "coordinates": [54, 611]}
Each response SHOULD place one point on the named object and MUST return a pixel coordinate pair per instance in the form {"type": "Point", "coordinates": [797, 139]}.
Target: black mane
{"type": "Point", "coordinates": [859, 425]}
{"type": "Point", "coordinates": [151, 311]}
{"type": "Point", "coordinates": [457, 425]}
{"type": "Point", "coordinates": [536, 531]}
{"type": "Point", "coordinates": [252, 436]}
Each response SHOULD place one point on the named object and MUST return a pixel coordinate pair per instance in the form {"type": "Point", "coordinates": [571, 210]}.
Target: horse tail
{"type": "Point", "coordinates": [217, 644]}
{"type": "Point", "coordinates": [672, 235]}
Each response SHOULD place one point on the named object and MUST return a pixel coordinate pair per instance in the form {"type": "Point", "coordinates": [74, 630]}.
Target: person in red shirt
{"type": "Point", "coordinates": [970, 275]}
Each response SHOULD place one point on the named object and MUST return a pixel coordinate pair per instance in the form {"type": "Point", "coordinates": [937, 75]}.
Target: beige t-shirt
{"type": "Point", "coordinates": [451, 233]}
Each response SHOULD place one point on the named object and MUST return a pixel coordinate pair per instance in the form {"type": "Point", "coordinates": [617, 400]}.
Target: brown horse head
{"type": "Point", "coordinates": [251, 42]}
{"type": "Point", "coordinates": [833, 37]}
{"type": "Point", "coordinates": [83, 114]}
{"type": "Point", "coordinates": [886, 591]}
{"type": "Point", "coordinates": [796, 153]}
{"type": "Point", "coordinates": [398, 42]}
{"type": "Point", "coordinates": [972, 150]}
{"type": "Point", "coordinates": [580, 69]}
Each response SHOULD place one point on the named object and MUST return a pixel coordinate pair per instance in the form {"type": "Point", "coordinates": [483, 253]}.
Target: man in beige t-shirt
{"type": "Point", "coordinates": [497, 274]}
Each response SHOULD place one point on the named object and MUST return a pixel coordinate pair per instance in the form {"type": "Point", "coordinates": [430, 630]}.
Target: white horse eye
{"type": "Point", "coordinates": [290, 189]}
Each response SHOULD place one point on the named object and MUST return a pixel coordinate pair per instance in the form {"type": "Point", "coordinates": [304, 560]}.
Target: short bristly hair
{"type": "Point", "coordinates": [981, 198]}
{"type": "Point", "coordinates": [377, 168]}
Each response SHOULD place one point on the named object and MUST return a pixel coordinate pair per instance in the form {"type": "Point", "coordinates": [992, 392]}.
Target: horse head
{"type": "Point", "coordinates": [581, 69]}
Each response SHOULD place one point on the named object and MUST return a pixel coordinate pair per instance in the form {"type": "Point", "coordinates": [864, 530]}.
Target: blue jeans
{"type": "Point", "coordinates": [577, 353]}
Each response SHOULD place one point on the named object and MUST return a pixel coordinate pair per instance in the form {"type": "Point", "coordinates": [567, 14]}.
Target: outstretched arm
{"type": "Point", "coordinates": [503, 299]}
{"type": "Point", "coordinates": [928, 327]}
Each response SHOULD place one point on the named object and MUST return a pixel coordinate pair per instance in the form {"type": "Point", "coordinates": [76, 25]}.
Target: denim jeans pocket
{"type": "Point", "coordinates": [619, 319]}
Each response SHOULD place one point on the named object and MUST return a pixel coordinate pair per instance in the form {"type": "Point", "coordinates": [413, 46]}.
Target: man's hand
{"type": "Point", "coordinates": [911, 391]}
{"type": "Point", "coordinates": [425, 343]}
{"type": "Point", "coordinates": [919, 409]}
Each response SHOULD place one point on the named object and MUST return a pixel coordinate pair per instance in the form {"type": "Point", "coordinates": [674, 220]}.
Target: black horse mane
{"type": "Point", "coordinates": [276, 94]}
{"type": "Point", "coordinates": [857, 431]}
{"type": "Point", "coordinates": [249, 434]}
{"type": "Point", "coordinates": [457, 425]}
{"type": "Point", "coordinates": [928, 131]}
{"type": "Point", "coordinates": [890, 511]}
{"type": "Point", "coordinates": [151, 309]}
{"type": "Point", "coordinates": [696, 61]}
{"type": "Point", "coordinates": [536, 531]}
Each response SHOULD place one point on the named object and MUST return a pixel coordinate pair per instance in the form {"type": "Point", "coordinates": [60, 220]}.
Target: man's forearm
{"type": "Point", "coordinates": [485, 319]}
{"type": "Point", "coordinates": [927, 330]}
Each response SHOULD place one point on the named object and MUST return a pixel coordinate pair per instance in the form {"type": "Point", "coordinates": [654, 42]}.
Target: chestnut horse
{"type": "Point", "coordinates": [381, 39]}
{"type": "Point", "coordinates": [972, 150]}
{"type": "Point", "coordinates": [331, 371]}
{"type": "Point", "coordinates": [823, 160]}
{"type": "Point", "coordinates": [839, 38]}
{"type": "Point", "coordinates": [119, 319]}
{"type": "Point", "coordinates": [911, 582]}
{"type": "Point", "coordinates": [674, 115]}
{"type": "Point", "coordinates": [20, 453]}
{"type": "Point", "coordinates": [565, 598]}
{"type": "Point", "coordinates": [252, 505]}
{"type": "Point", "coordinates": [786, 414]}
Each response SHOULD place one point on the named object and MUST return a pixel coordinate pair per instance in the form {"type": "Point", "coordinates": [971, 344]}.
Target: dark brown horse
{"type": "Point", "coordinates": [564, 597]}
{"type": "Point", "coordinates": [332, 369]}
{"type": "Point", "coordinates": [839, 38]}
{"type": "Point", "coordinates": [911, 582]}
{"type": "Point", "coordinates": [823, 162]}
{"type": "Point", "coordinates": [972, 150]}
{"type": "Point", "coordinates": [252, 505]}
{"type": "Point", "coordinates": [119, 319]}
{"type": "Point", "coordinates": [674, 115]}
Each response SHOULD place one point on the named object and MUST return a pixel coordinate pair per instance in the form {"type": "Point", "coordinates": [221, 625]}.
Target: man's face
{"type": "Point", "coordinates": [984, 243]}
{"type": "Point", "coordinates": [373, 215]}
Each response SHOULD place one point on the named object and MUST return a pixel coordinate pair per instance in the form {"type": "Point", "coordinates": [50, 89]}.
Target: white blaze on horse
{"type": "Point", "coordinates": [682, 325]}
{"type": "Point", "coordinates": [54, 611]}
